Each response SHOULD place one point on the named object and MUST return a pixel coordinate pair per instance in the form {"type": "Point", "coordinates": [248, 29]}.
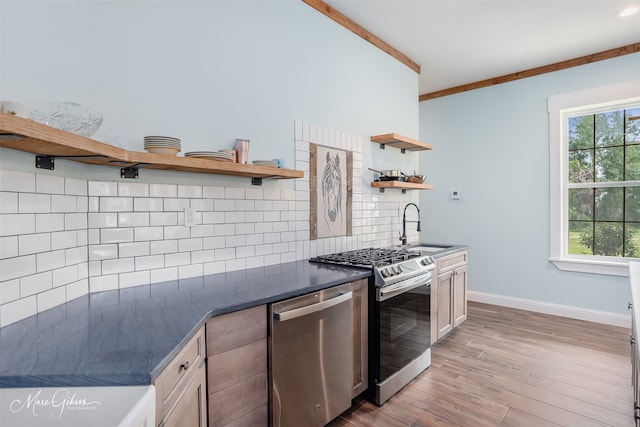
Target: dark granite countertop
{"type": "Point", "coordinates": [126, 337]}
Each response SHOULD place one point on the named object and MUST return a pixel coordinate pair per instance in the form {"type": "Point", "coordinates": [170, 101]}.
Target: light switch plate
{"type": "Point", "coordinates": [189, 217]}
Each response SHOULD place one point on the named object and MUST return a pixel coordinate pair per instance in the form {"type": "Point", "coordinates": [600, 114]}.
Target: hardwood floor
{"type": "Point", "coordinates": [514, 368]}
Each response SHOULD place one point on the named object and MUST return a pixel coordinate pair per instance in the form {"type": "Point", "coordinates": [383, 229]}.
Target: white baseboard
{"type": "Point", "coordinates": [614, 319]}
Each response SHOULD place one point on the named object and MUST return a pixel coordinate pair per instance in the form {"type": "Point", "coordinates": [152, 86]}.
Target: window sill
{"type": "Point", "coordinates": [605, 266]}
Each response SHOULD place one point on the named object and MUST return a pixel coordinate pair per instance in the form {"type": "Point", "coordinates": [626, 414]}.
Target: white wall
{"type": "Point", "coordinates": [492, 144]}
{"type": "Point", "coordinates": [207, 72]}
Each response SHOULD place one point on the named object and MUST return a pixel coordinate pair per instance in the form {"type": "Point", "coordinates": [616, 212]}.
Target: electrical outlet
{"type": "Point", "coordinates": [455, 195]}
{"type": "Point", "coordinates": [189, 217]}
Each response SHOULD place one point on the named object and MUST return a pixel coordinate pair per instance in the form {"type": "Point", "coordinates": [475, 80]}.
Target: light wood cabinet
{"type": "Point", "coordinates": [448, 294]}
{"type": "Point", "coordinates": [360, 335]}
{"type": "Point", "coordinates": [180, 387]}
{"type": "Point", "coordinates": [237, 368]}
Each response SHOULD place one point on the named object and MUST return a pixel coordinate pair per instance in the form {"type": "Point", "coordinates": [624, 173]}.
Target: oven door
{"type": "Point", "coordinates": [403, 332]}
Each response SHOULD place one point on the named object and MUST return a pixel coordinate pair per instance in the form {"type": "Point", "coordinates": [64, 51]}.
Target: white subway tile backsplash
{"type": "Point", "coordinates": [201, 257]}
{"type": "Point", "coordinates": [254, 239]}
{"type": "Point", "coordinates": [8, 202]}
{"type": "Point", "coordinates": [120, 265]}
{"type": "Point", "coordinates": [264, 205]}
{"type": "Point", "coordinates": [148, 233]}
{"type": "Point", "coordinates": [103, 283]}
{"type": "Point", "coordinates": [134, 279]}
{"type": "Point", "coordinates": [133, 189]}
{"type": "Point", "coordinates": [163, 190]}
{"type": "Point", "coordinates": [100, 252]}
{"type": "Point", "coordinates": [188, 245]}
{"type": "Point", "coordinates": [31, 285]}
{"type": "Point", "coordinates": [147, 204]}
{"type": "Point", "coordinates": [49, 184]}
{"type": "Point", "coordinates": [76, 187]}
{"type": "Point", "coordinates": [213, 217]}
{"type": "Point", "coordinates": [272, 259]}
{"type": "Point", "coordinates": [225, 254]}
{"type": "Point", "coordinates": [116, 204]}
{"type": "Point", "coordinates": [163, 246]}
{"type": "Point", "coordinates": [17, 181]}
{"type": "Point", "coordinates": [163, 218]}
{"type": "Point", "coordinates": [64, 239]}
{"type": "Point", "coordinates": [102, 188]}
{"type": "Point", "coordinates": [280, 226]}
{"type": "Point", "coordinates": [264, 227]}
{"type": "Point", "coordinates": [236, 264]}
{"type": "Point", "coordinates": [175, 260]}
{"type": "Point", "coordinates": [176, 232]}
{"type": "Point", "coordinates": [116, 235]}
{"type": "Point", "coordinates": [13, 268]}
{"type": "Point", "coordinates": [34, 243]}
{"type": "Point", "coordinates": [255, 262]}
{"type": "Point", "coordinates": [188, 271]}
{"type": "Point", "coordinates": [234, 193]}
{"type": "Point", "coordinates": [245, 251]}
{"type": "Point", "coordinates": [8, 247]}
{"type": "Point", "coordinates": [103, 220]}
{"type": "Point", "coordinates": [224, 229]}
{"type": "Point", "coordinates": [149, 262]}
{"type": "Point", "coordinates": [134, 249]}
{"type": "Point", "coordinates": [233, 241]}
{"type": "Point", "coordinates": [65, 275]}
{"type": "Point", "coordinates": [224, 205]}
{"type": "Point", "coordinates": [75, 221]}
{"type": "Point", "coordinates": [190, 191]}
{"type": "Point", "coordinates": [264, 249]}
{"type": "Point", "coordinates": [204, 230]}
{"type": "Point", "coordinates": [245, 228]}
{"type": "Point", "coordinates": [234, 217]}
{"type": "Point", "coordinates": [213, 242]}
{"type": "Point", "coordinates": [50, 260]}
{"type": "Point", "coordinates": [201, 205]}
{"type": "Point", "coordinates": [34, 203]}
{"type": "Point", "coordinates": [215, 267]}
{"type": "Point", "coordinates": [175, 205]}
{"type": "Point", "coordinates": [209, 192]}
{"type": "Point", "coordinates": [18, 310]}
{"type": "Point", "coordinates": [245, 205]}
{"type": "Point", "coordinates": [77, 289]}
{"type": "Point", "coordinates": [254, 194]}
{"type": "Point", "coordinates": [164, 274]}
{"type": "Point", "coordinates": [9, 291]}
{"type": "Point", "coordinates": [133, 219]}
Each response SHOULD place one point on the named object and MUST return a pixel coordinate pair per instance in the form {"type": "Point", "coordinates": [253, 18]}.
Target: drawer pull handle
{"type": "Point", "coordinates": [184, 366]}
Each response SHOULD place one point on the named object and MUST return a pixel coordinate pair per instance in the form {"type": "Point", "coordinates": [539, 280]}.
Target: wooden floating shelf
{"type": "Point", "coordinates": [401, 142]}
{"type": "Point", "coordinates": [401, 185]}
{"type": "Point", "coordinates": [26, 135]}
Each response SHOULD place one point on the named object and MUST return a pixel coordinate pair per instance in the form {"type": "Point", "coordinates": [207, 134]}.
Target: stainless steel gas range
{"type": "Point", "coordinates": [399, 307]}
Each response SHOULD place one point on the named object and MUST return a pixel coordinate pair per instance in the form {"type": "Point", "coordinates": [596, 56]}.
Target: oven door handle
{"type": "Point", "coordinates": [313, 308]}
{"type": "Point", "coordinates": [384, 295]}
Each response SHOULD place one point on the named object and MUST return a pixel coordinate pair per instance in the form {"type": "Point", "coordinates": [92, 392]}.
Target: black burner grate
{"type": "Point", "coordinates": [367, 258]}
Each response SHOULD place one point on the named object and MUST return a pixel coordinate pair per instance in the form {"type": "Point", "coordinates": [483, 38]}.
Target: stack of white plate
{"type": "Point", "coordinates": [219, 156]}
{"type": "Point", "coordinates": [270, 163]}
{"type": "Point", "coordinates": [162, 145]}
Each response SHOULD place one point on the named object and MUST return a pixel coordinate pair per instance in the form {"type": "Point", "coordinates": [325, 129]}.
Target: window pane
{"type": "Point", "coordinates": [580, 238]}
{"type": "Point", "coordinates": [581, 204]}
{"type": "Point", "coordinates": [632, 204]}
{"type": "Point", "coordinates": [581, 166]}
{"type": "Point", "coordinates": [633, 241]}
{"type": "Point", "coordinates": [609, 204]}
{"type": "Point", "coordinates": [633, 126]}
{"type": "Point", "coordinates": [633, 163]}
{"type": "Point", "coordinates": [609, 166]}
{"type": "Point", "coordinates": [609, 128]}
{"type": "Point", "coordinates": [608, 239]}
{"type": "Point", "coordinates": [581, 132]}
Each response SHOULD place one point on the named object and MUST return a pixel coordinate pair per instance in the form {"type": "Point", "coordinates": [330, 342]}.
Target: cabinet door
{"type": "Point", "coordinates": [359, 335]}
{"type": "Point", "coordinates": [444, 315]}
{"type": "Point", "coordinates": [191, 409]}
{"type": "Point", "coordinates": [459, 295]}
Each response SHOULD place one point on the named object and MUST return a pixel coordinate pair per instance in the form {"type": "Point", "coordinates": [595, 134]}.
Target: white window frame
{"type": "Point", "coordinates": [561, 107]}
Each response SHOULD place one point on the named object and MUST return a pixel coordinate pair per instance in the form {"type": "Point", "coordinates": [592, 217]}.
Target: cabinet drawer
{"type": "Point", "coordinates": [451, 261]}
{"type": "Point", "coordinates": [226, 406]}
{"type": "Point", "coordinates": [177, 375]}
{"type": "Point", "coordinates": [236, 329]}
{"type": "Point", "coordinates": [233, 366]}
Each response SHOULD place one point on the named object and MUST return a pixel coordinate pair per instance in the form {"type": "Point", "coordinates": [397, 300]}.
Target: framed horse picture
{"type": "Point", "coordinates": [330, 184]}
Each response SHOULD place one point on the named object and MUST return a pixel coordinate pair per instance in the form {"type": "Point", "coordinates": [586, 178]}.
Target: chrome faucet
{"type": "Point", "coordinates": [403, 238]}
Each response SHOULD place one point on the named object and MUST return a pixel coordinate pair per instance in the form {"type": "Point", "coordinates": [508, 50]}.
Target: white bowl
{"type": "Point", "coordinates": [16, 108]}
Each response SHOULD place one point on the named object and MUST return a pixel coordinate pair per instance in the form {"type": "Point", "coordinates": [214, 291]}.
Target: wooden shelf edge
{"type": "Point", "coordinates": [400, 141]}
{"type": "Point", "coordinates": [40, 139]}
{"type": "Point", "coordinates": [401, 185]}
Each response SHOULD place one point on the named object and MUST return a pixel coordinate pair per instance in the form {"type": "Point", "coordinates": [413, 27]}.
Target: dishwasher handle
{"type": "Point", "coordinates": [313, 308]}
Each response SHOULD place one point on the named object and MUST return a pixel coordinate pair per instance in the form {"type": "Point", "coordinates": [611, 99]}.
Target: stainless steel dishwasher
{"type": "Point", "coordinates": [310, 358]}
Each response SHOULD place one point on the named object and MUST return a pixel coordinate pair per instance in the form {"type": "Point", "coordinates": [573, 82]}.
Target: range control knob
{"type": "Point", "coordinates": [384, 272]}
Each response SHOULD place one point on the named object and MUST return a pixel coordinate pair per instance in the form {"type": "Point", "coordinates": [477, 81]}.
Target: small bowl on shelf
{"type": "Point", "coordinates": [169, 151]}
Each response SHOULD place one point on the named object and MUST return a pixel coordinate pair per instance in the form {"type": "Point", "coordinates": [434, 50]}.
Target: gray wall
{"type": "Point", "coordinates": [492, 144]}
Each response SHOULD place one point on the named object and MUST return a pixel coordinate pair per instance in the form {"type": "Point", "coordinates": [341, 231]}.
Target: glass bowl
{"type": "Point", "coordinates": [68, 116]}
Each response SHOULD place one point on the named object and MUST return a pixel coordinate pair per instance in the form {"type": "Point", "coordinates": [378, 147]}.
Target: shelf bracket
{"type": "Point", "coordinates": [381, 190]}
{"type": "Point", "coordinates": [256, 181]}
{"type": "Point", "coordinates": [11, 136]}
{"type": "Point", "coordinates": [403, 191]}
{"type": "Point", "coordinates": [48, 162]}
{"type": "Point", "coordinates": [403, 150]}
{"type": "Point", "coordinates": [382, 146]}
{"type": "Point", "coordinates": [132, 172]}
